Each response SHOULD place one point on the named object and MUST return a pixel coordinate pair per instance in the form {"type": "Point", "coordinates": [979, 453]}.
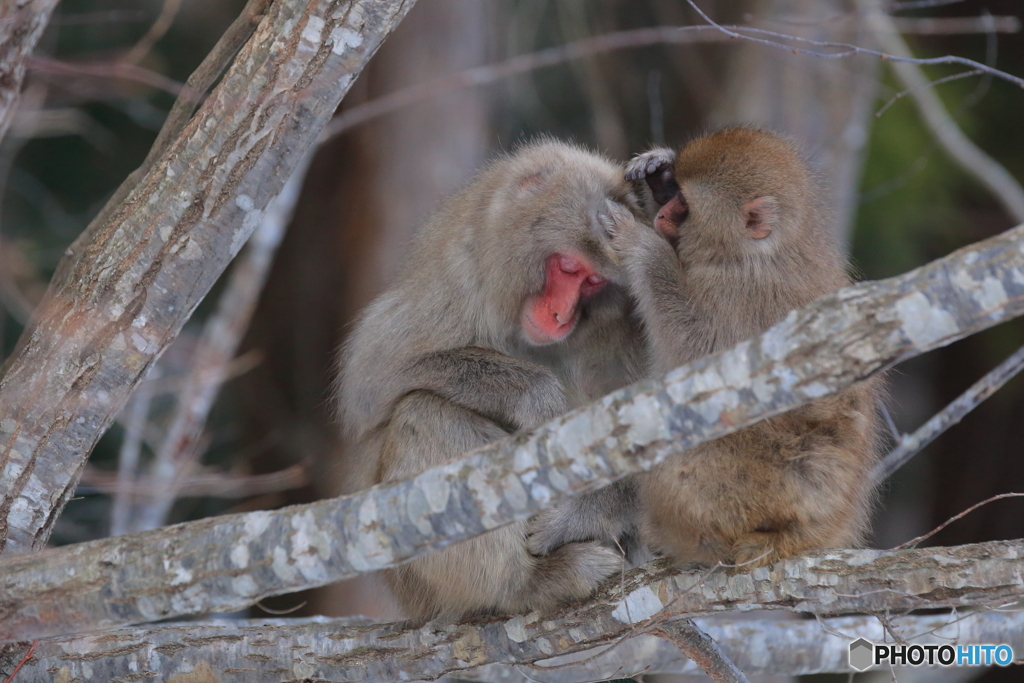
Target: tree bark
{"type": "Point", "coordinates": [131, 280]}
{"type": "Point", "coordinates": [21, 24]}
{"type": "Point", "coordinates": [822, 583]}
{"type": "Point", "coordinates": [226, 563]}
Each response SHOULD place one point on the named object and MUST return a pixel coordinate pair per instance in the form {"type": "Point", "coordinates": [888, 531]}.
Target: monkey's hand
{"type": "Point", "coordinates": [657, 169]}
{"type": "Point", "coordinates": [609, 516]}
{"type": "Point", "coordinates": [649, 163]}
{"type": "Point", "coordinates": [630, 240]}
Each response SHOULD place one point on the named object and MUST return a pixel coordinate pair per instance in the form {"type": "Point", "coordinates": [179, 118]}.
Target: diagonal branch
{"type": "Point", "coordinates": [702, 649]}
{"type": "Point", "coordinates": [912, 444]}
{"type": "Point", "coordinates": [127, 285]}
{"type": "Point", "coordinates": [226, 563]}
{"type": "Point", "coordinates": [824, 583]}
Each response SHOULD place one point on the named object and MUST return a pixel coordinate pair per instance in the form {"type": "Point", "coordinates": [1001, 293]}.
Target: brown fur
{"type": "Point", "coordinates": [796, 481]}
{"type": "Point", "coordinates": [438, 366]}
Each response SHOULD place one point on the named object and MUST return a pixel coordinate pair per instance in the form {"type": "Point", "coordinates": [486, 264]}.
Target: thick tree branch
{"type": "Point", "coordinates": [824, 583]}
{"type": "Point", "coordinates": [131, 280]}
{"type": "Point", "coordinates": [226, 563]}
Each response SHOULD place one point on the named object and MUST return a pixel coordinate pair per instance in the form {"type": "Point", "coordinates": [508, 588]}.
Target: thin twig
{"type": "Point", "coordinates": [844, 49]}
{"type": "Point", "coordinates": [520, 64]}
{"type": "Point", "coordinates": [930, 84]}
{"type": "Point", "coordinates": [920, 4]}
{"type": "Point", "coordinates": [960, 148]}
{"type": "Point", "coordinates": [156, 32]}
{"type": "Point", "coordinates": [128, 458]}
{"type": "Point", "coordinates": [608, 42]}
{"type": "Point", "coordinates": [914, 541]}
{"type": "Point", "coordinates": [100, 17]}
{"type": "Point", "coordinates": [24, 660]}
{"type": "Point", "coordinates": [117, 70]}
{"type": "Point", "coordinates": [206, 484]}
{"type": "Point", "coordinates": [912, 444]}
{"type": "Point", "coordinates": [704, 651]}
{"type": "Point", "coordinates": [939, 26]}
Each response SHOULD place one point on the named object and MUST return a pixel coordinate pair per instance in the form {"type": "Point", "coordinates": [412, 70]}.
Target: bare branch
{"type": "Point", "coordinates": [912, 444]}
{"type": "Point", "coordinates": [588, 47]}
{"type": "Point", "coordinates": [229, 562]}
{"type": "Point", "coordinates": [130, 281]}
{"type": "Point", "coordinates": [842, 50]}
{"type": "Point", "coordinates": [21, 24]}
{"type": "Point", "coordinates": [542, 645]}
{"type": "Point", "coordinates": [520, 64]}
{"type": "Point", "coordinates": [128, 457]}
{"type": "Point", "coordinates": [699, 647]}
{"type": "Point", "coordinates": [122, 70]}
{"type": "Point", "coordinates": [938, 26]}
{"type": "Point", "coordinates": [156, 31]}
{"type": "Point", "coordinates": [912, 543]}
{"type": "Point", "coordinates": [201, 484]}
{"type": "Point", "coordinates": [969, 156]}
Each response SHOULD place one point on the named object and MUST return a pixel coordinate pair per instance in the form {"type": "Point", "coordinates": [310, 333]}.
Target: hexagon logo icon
{"type": "Point", "coordinates": [861, 654]}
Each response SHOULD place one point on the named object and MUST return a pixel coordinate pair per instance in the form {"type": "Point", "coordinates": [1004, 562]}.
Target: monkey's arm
{"type": "Point", "coordinates": [510, 391]}
{"type": "Point", "coordinates": [495, 572]}
{"type": "Point", "coordinates": [515, 393]}
{"type": "Point", "coordinates": [654, 277]}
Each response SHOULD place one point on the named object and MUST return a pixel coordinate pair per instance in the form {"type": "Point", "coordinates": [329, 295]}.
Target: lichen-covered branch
{"type": "Point", "coordinates": [824, 583]}
{"type": "Point", "coordinates": [229, 562]}
{"type": "Point", "coordinates": [128, 284]}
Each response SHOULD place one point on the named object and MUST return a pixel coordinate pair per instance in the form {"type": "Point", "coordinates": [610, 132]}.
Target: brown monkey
{"type": "Point", "coordinates": [502, 318]}
{"type": "Point", "coordinates": [741, 243]}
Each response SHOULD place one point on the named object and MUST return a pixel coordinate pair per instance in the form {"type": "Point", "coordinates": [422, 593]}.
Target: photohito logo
{"type": "Point", "coordinates": [864, 653]}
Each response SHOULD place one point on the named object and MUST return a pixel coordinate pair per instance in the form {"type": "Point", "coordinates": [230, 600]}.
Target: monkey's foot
{"type": "Point", "coordinates": [756, 549]}
{"type": "Point", "coordinates": [573, 571]}
{"type": "Point", "coordinates": [649, 163]}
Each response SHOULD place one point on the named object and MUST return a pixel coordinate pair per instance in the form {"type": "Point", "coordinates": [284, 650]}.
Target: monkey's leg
{"type": "Point", "coordinates": [490, 573]}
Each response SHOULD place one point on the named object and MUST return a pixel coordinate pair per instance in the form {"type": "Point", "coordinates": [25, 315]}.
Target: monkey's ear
{"type": "Point", "coordinates": [761, 215]}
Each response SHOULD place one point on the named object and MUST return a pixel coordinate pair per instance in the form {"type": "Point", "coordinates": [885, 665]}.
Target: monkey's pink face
{"type": "Point", "coordinates": [569, 280]}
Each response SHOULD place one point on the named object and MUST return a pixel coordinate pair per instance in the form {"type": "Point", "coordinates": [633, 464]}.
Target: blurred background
{"type": "Point", "coordinates": [107, 71]}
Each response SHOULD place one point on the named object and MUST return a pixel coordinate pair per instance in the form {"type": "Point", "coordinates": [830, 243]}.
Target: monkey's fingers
{"type": "Point", "coordinates": [649, 163]}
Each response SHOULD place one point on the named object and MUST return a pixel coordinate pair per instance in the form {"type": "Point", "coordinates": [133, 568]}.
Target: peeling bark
{"type": "Point", "coordinates": [127, 285]}
{"type": "Point", "coordinates": [227, 563]}
{"type": "Point", "coordinates": [826, 582]}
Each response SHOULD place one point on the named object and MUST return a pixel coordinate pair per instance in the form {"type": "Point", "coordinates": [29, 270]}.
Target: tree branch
{"type": "Point", "coordinates": [989, 172]}
{"type": "Point", "coordinates": [702, 649]}
{"type": "Point", "coordinates": [131, 280]}
{"type": "Point", "coordinates": [21, 24]}
{"type": "Point", "coordinates": [226, 563]}
{"type": "Point", "coordinates": [912, 444]}
{"type": "Point", "coordinates": [824, 583]}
